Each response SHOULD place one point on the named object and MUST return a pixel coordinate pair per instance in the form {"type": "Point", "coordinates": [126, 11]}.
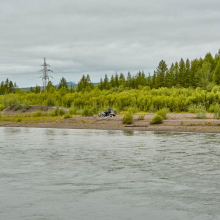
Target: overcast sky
{"type": "Point", "coordinates": [101, 37]}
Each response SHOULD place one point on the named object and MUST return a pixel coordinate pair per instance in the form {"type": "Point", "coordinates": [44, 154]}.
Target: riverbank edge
{"type": "Point", "coordinates": [176, 122]}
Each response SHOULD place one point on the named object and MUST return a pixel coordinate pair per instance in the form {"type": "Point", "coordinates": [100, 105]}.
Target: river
{"type": "Point", "coordinates": [99, 175]}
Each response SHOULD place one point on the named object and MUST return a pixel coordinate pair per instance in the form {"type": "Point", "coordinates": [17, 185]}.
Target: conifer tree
{"type": "Point", "coordinates": [195, 66]}
{"type": "Point", "coordinates": [160, 71]}
{"type": "Point", "coordinates": [209, 58]}
{"type": "Point", "coordinates": [182, 72]}
{"type": "Point", "coordinates": [112, 81]}
{"type": "Point", "coordinates": [116, 80]}
{"type": "Point", "coordinates": [171, 81]}
{"type": "Point", "coordinates": [216, 75]}
{"type": "Point", "coordinates": [154, 80]}
{"type": "Point", "coordinates": [128, 80]}
{"type": "Point", "coordinates": [187, 74]}
{"type": "Point", "coordinates": [106, 83]}
{"type": "Point", "coordinates": [148, 80]}
{"type": "Point", "coordinates": [176, 74]}
{"type": "Point", "coordinates": [101, 85]}
{"type": "Point", "coordinates": [63, 83]}
{"type": "Point", "coordinates": [121, 79]}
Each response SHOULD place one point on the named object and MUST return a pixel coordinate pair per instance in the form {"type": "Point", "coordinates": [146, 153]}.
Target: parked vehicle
{"type": "Point", "coordinates": [110, 112]}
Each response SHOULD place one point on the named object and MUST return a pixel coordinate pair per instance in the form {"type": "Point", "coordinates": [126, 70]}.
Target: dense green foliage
{"type": "Point", "coordinates": [157, 119]}
{"type": "Point", "coordinates": [163, 112]}
{"type": "Point", "coordinates": [144, 99]}
{"type": "Point", "coordinates": [128, 118]}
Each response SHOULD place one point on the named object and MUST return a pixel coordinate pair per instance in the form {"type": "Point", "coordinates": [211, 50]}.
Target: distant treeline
{"type": "Point", "coordinates": [7, 87]}
{"type": "Point", "coordinates": [202, 73]}
{"type": "Point", "coordinates": [183, 85]}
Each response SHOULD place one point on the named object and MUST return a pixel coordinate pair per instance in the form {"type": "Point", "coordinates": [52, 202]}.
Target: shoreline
{"type": "Point", "coordinates": [176, 122]}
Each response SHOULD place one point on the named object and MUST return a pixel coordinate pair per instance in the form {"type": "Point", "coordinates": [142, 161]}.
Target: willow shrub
{"type": "Point", "coordinates": [87, 112]}
{"type": "Point", "coordinates": [192, 108]}
{"type": "Point", "coordinates": [163, 112]}
{"type": "Point", "coordinates": [67, 115]}
{"type": "Point", "coordinates": [58, 112]}
{"type": "Point", "coordinates": [157, 119]}
{"type": "Point", "coordinates": [128, 118]}
{"type": "Point", "coordinates": [50, 101]}
{"type": "Point", "coordinates": [1, 107]}
{"type": "Point", "coordinates": [25, 106]}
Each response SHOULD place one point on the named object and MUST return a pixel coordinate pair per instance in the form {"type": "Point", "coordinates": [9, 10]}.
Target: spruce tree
{"type": "Point", "coordinates": [112, 81]}
{"type": "Point", "coordinates": [63, 83]}
{"type": "Point", "coordinates": [176, 74]}
{"type": "Point", "coordinates": [128, 80]}
{"type": "Point", "coordinates": [187, 74]}
{"type": "Point", "coordinates": [116, 80]}
{"type": "Point", "coordinates": [182, 73]}
{"type": "Point", "coordinates": [216, 75]}
{"type": "Point", "coordinates": [160, 71]}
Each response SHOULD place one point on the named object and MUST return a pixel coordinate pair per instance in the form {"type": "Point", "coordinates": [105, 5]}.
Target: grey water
{"type": "Point", "coordinates": [94, 174]}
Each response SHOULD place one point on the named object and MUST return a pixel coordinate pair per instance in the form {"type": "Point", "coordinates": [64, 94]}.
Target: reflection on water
{"type": "Point", "coordinates": [128, 133]}
{"type": "Point", "coordinates": [92, 174]}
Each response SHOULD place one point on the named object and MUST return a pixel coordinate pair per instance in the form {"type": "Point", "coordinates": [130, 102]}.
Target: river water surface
{"type": "Point", "coordinates": [92, 174]}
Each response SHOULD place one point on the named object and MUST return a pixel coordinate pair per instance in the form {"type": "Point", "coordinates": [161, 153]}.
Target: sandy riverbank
{"type": "Point", "coordinates": [183, 122]}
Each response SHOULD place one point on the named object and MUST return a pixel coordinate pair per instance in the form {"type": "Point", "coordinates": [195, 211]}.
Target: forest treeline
{"type": "Point", "coordinates": [203, 73]}
{"type": "Point", "coordinates": [7, 86]}
{"type": "Point", "coordinates": [183, 84]}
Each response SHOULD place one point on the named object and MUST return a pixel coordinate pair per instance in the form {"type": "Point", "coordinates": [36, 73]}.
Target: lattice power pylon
{"type": "Point", "coordinates": [45, 76]}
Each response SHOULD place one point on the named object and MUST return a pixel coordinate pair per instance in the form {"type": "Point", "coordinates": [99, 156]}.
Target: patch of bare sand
{"type": "Point", "coordinates": [183, 122]}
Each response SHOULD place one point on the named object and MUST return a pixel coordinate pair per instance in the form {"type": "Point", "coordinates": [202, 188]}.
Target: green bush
{"type": "Point", "coordinates": [152, 109]}
{"type": "Point", "coordinates": [157, 119]}
{"type": "Point", "coordinates": [19, 120]}
{"type": "Point", "coordinates": [87, 112]}
{"type": "Point", "coordinates": [58, 112]}
{"type": "Point", "coordinates": [217, 112]}
{"type": "Point", "coordinates": [212, 108]}
{"type": "Point", "coordinates": [50, 102]}
{"type": "Point", "coordinates": [17, 105]}
{"type": "Point", "coordinates": [72, 110]}
{"type": "Point", "coordinates": [132, 109]}
{"type": "Point", "coordinates": [67, 115]}
{"type": "Point", "coordinates": [141, 117]}
{"type": "Point", "coordinates": [75, 111]}
{"type": "Point", "coordinates": [192, 108]}
{"type": "Point", "coordinates": [37, 114]}
{"type": "Point", "coordinates": [201, 112]}
{"type": "Point", "coordinates": [25, 106]}
{"type": "Point", "coordinates": [128, 118]}
{"type": "Point", "coordinates": [62, 111]}
{"type": "Point", "coordinates": [1, 107]}
{"type": "Point", "coordinates": [163, 112]}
